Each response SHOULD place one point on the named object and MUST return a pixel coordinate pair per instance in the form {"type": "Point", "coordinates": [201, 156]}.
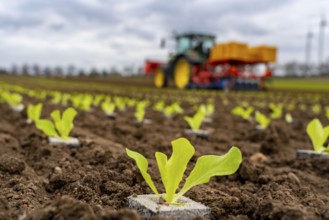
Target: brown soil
{"type": "Point", "coordinates": [40, 181]}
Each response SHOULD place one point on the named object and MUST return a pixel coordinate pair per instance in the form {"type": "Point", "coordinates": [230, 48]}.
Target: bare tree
{"type": "Point", "coordinates": [81, 73]}
{"type": "Point", "coordinates": [71, 70]}
{"type": "Point", "coordinates": [93, 72]}
{"type": "Point", "coordinates": [14, 69]}
{"type": "Point", "coordinates": [58, 71]}
{"type": "Point", "coordinates": [47, 71]}
{"type": "Point", "coordinates": [25, 70]}
{"type": "Point", "coordinates": [36, 69]}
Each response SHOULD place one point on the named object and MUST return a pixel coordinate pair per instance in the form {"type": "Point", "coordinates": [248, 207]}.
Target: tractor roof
{"type": "Point", "coordinates": [195, 35]}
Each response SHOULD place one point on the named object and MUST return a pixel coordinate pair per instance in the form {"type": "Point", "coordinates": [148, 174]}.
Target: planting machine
{"type": "Point", "coordinates": [201, 63]}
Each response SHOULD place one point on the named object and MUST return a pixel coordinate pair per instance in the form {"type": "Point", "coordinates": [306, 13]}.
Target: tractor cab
{"type": "Point", "coordinates": [200, 44]}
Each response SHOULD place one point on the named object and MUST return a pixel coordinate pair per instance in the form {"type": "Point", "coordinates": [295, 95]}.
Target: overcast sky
{"type": "Point", "coordinates": [105, 33]}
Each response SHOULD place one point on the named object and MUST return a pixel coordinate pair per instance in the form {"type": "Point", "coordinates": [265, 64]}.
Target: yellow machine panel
{"type": "Point", "coordinates": [229, 51]}
{"type": "Point", "coordinates": [241, 52]}
{"type": "Point", "coordinates": [262, 53]}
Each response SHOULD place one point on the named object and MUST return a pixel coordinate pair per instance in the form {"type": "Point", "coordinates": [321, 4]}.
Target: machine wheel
{"type": "Point", "coordinates": [182, 73]}
{"type": "Point", "coordinates": [160, 79]}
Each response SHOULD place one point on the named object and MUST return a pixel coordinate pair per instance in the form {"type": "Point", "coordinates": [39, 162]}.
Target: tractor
{"type": "Point", "coordinates": [199, 62]}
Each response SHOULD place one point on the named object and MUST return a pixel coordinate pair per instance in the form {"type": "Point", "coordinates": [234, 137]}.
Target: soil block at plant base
{"type": "Point", "coordinates": [72, 142]}
{"type": "Point", "coordinates": [148, 206]}
{"type": "Point", "coordinates": [311, 154]}
{"type": "Point", "coordinates": [200, 133]}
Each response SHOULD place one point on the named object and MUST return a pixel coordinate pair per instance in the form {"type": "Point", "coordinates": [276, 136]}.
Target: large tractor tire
{"type": "Point", "coordinates": [182, 73]}
{"type": "Point", "coordinates": [160, 78]}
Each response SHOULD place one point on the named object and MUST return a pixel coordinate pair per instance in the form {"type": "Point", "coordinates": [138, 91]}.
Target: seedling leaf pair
{"type": "Point", "coordinates": [172, 170]}
{"type": "Point", "coordinates": [244, 113]}
{"type": "Point", "coordinates": [140, 114]}
{"type": "Point", "coordinates": [108, 107]}
{"type": "Point", "coordinates": [63, 125]}
{"type": "Point", "coordinates": [318, 135]}
{"type": "Point", "coordinates": [262, 120]}
{"type": "Point", "coordinates": [34, 112]}
{"type": "Point", "coordinates": [276, 110]}
{"type": "Point", "coordinates": [289, 118]}
{"type": "Point", "coordinates": [195, 122]}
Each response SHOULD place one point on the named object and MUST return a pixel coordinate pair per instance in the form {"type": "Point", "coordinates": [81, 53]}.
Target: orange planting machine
{"type": "Point", "coordinates": [201, 63]}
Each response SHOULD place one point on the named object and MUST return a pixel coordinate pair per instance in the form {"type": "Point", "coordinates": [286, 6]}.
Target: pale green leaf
{"type": "Point", "coordinates": [67, 122]}
{"type": "Point", "coordinates": [142, 165]}
{"type": "Point", "coordinates": [162, 161]}
{"type": "Point", "coordinates": [47, 127]}
{"type": "Point", "coordinates": [211, 165]}
{"type": "Point", "coordinates": [315, 132]}
{"type": "Point", "coordinates": [176, 165]}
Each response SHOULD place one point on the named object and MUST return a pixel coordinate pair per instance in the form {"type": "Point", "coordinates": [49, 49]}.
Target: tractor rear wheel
{"type": "Point", "coordinates": [182, 73]}
{"type": "Point", "coordinates": [160, 79]}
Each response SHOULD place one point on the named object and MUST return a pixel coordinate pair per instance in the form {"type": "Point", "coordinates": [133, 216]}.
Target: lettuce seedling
{"type": "Point", "coordinates": [276, 110]}
{"type": "Point", "coordinates": [225, 102]}
{"type": "Point", "coordinates": [316, 109]}
{"type": "Point", "coordinates": [34, 112]}
{"type": "Point", "coordinates": [86, 102]}
{"type": "Point", "coordinates": [168, 111]}
{"type": "Point", "coordinates": [108, 107]}
{"type": "Point", "coordinates": [120, 103]}
{"type": "Point", "coordinates": [262, 120]}
{"type": "Point", "coordinates": [13, 99]}
{"type": "Point", "coordinates": [57, 97]}
{"type": "Point", "coordinates": [176, 108]}
{"type": "Point", "coordinates": [289, 118]}
{"type": "Point", "coordinates": [244, 113]}
{"type": "Point", "coordinates": [140, 114]}
{"type": "Point", "coordinates": [195, 122]}
{"type": "Point", "coordinates": [172, 170]}
{"type": "Point", "coordinates": [327, 111]}
{"type": "Point", "coordinates": [318, 135]}
{"type": "Point", "coordinates": [302, 107]}
{"type": "Point", "coordinates": [65, 99]}
{"type": "Point", "coordinates": [159, 106]}
{"type": "Point", "coordinates": [61, 127]}
{"type": "Point", "coordinates": [207, 109]}
{"type": "Point", "coordinates": [97, 99]}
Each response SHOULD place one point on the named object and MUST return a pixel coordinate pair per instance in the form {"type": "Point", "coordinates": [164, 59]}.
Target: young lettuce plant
{"type": "Point", "coordinates": [65, 99]}
{"type": "Point", "coordinates": [327, 111]}
{"type": "Point", "coordinates": [207, 109]}
{"type": "Point", "coordinates": [86, 102]}
{"type": "Point", "coordinates": [140, 113]}
{"type": "Point", "coordinates": [97, 99]}
{"type": "Point", "coordinates": [303, 107]}
{"type": "Point", "coordinates": [262, 120]}
{"type": "Point", "coordinates": [289, 118]}
{"type": "Point", "coordinates": [244, 113]}
{"type": "Point", "coordinates": [177, 108]}
{"type": "Point", "coordinates": [318, 135]}
{"type": "Point", "coordinates": [316, 108]}
{"type": "Point", "coordinates": [159, 106]}
{"type": "Point", "coordinates": [195, 122]}
{"type": "Point", "coordinates": [168, 111]}
{"type": "Point", "coordinates": [276, 110]}
{"type": "Point", "coordinates": [120, 103]}
{"type": "Point", "coordinates": [172, 169]}
{"type": "Point", "coordinates": [108, 108]}
{"type": "Point", "coordinates": [34, 112]}
{"type": "Point", "coordinates": [57, 97]}
{"type": "Point", "coordinates": [14, 100]}
{"type": "Point", "coordinates": [61, 127]}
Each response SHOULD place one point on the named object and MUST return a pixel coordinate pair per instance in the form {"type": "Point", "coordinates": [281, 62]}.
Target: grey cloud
{"type": "Point", "coordinates": [18, 22]}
